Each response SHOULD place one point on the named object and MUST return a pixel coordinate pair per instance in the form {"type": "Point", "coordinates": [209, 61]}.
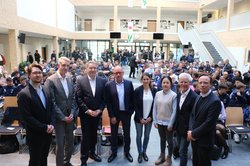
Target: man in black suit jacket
{"type": "Point", "coordinates": [36, 108]}
{"type": "Point", "coordinates": [119, 99]}
{"type": "Point", "coordinates": [185, 102]}
{"type": "Point", "coordinates": [202, 122]}
{"type": "Point", "coordinates": [90, 100]}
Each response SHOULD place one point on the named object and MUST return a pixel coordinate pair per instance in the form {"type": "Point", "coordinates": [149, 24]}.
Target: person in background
{"type": "Point", "coordinates": [185, 102]}
{"type": "Point", "coordinates": [120, 103]}
{"type": "Point", "coordinates": [53, 56]}
{"type": "Point", "coordinates": [9, 89]}
{"type": "Point", "coordinates": [37, 57]}
{"type": "Point", "coordinates": [22, 85]}
{"type": "Point", "coordinates": [164, 114]}
{"type": "Point", "coordinates": [144, 99]}
{"type": "Point", "coordinates": [30, 58]}
{"type": "Point", "coordinates": [202, 122]}
{"type": "Point", "coordinates": [36, 109]}
{"type": "Point", "coordinates": [63, 96]}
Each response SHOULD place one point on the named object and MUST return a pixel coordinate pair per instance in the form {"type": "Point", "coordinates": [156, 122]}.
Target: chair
{"type": "Point", "coordinates": [14, 128]}
{"type": "Point", "coordinates": [234, 123]}
{"type": "Point", "coordinates": [106, 129]}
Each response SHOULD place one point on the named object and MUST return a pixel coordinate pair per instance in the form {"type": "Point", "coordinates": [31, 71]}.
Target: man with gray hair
{"type": "Point", "coordinates": [185, 101]}
{"type": "Point", "coordinates": [63, 96]}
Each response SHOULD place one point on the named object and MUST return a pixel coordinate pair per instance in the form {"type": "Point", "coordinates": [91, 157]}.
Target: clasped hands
{"type": "Point", "coordinates": [93, 113]}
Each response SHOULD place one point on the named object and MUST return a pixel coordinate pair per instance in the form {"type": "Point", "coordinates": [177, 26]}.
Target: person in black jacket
{"type": "Point", "coordinates": [185, 102]}
{"type": "Point", "coordinates": [202, 122]}
{"type": "Point", "coordinates": [36, 108]}
{"type": "Point", "coordinates": [144, 98]}
{"type": "Point", "coordinates": [132, 64]}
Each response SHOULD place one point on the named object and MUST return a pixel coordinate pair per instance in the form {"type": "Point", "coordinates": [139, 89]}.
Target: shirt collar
{"type": "Point", "coordinates": [90, 79]}
{"type": "Point", "coordinates": [186, 93]}
{"type": "Point", "coordinates": [119, 83]}
{"type": "Point", "coordinates": [206, 94]}
{"type": "Point", "coordinates": [60, 76]}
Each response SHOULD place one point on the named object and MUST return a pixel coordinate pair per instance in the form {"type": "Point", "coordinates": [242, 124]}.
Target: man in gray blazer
{"type": "Point", "coordinates": [63, 96]}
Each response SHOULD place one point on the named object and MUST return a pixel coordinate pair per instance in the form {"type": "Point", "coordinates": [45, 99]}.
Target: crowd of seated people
{"type": "Point", "coordinates": [228, 83]}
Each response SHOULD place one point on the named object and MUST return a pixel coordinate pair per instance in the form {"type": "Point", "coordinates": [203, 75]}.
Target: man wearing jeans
{"type": "Point", "coordinates": [185, 101]}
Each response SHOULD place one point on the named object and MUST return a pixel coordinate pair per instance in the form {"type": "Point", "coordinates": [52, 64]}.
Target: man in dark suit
{"type": "Point", "coordinates": [119, 99]}
{"type": "Point", "coordinates": [63, 96]}
{"type": "Point", "coordinates": [36, 108]}
{"type": "Point", "coordinates": [90, 100]}
{"type": "Point", "coordinates": [202, 122]}
{"type": "Point", "coordinates": [185, 102]}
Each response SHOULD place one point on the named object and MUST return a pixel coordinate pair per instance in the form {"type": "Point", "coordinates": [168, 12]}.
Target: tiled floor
{"type": "Point", "coordinates": [238, 157]}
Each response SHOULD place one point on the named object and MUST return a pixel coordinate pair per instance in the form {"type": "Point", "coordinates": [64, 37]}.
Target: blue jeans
{"type": "Point", "coordinates": [139, 130]}
{"type": "Point", "coordinates": [183, 149]}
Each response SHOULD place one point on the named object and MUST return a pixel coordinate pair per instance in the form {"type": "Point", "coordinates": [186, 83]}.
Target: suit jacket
{"type": "Point", "coordinates": [112, 99]}
{"type": "Point", "coordinates": [203, 121]}
{"type": "Point", "coordinates": [138, 103]}
{"type": "Point", "coordinates": [183, 114]}
{"type": "Point", "coordinates": [63, 105]}
{"type": "Point", "coordinates": [85, 98]}
{"type": "Point", "coordinates": [36, 117]}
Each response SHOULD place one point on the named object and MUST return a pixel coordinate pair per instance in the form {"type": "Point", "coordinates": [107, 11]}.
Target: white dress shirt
{"type": "Point", "coordinates": [92, 83]}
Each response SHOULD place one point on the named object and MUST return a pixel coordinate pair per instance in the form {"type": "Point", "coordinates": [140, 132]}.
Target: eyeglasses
{"type": "Point", "coordinates": [118, 73]}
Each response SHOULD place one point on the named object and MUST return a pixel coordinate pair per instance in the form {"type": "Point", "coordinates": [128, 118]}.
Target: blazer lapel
{"type": "Point", "coordinates": [36, 97]}
{"type": "Point", "coordinates": [195, 104]}
{"type": "Point", "coordinates": [87, 83]}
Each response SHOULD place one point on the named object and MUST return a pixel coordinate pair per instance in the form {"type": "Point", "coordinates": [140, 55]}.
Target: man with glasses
{"type": "Point", "coordinates": [119, 99]}
{"type": "Point", "coordinates": [36, 108]}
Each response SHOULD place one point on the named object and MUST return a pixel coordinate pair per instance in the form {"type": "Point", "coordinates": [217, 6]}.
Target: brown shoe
{"type": "Point", "coordinates": [160, 160]}
{"type": "Point", "coordinates": [168, 161]}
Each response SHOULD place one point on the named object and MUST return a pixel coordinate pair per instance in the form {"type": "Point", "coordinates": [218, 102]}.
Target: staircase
{"type": "Point", "coordinates": [213, 52]}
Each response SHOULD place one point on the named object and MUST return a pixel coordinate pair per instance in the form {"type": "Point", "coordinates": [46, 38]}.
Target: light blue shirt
{"type": "Point", "coordinates": [120, 91]}
{"type": "Point", "coordinates": [41, 95]}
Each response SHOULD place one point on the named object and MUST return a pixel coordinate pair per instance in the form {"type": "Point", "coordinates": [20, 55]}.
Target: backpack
{"type": "Point", "coordinates": [8, 144]}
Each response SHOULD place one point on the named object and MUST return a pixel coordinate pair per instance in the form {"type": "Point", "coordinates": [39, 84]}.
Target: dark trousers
{"type": "Point", "coordinates": [89, 127]}
{"type": "Point", "coordinates": [166, 135]}
{"type": "Point", "coordinates": [125, 118]}
{"type": "Point", "coordinates": [38, 149]}
{"type": "Point", "coordinates": [183, 149]}
{"type": "Point", "coordinates": [132, 71]}
{"type": "Point", "coordinates": [201, 155]}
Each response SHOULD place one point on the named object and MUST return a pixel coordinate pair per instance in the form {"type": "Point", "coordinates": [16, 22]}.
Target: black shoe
{"type": "Point", "coordinates": [129, 157]}
{"type": "Point", "coordinates": [140, 158]}
{"type": "Point", "coordinates": [95, 157]}
{"type": "Point", "coordinates": [225, 153]}
{"type": "Point", "coordinates": [67, 164]}
{"type": "Point", "coordinates": [145, 157]}
{"type": "Point", "coordinates": [84, 164]}
{"type": "Point", "coordinates": [111, 157]}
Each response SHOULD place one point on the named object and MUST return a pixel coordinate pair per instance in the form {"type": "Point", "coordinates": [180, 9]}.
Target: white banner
{"type": "Point", "coordinates": [130, 3]}
{"type": "Point", "coordinates": [130, 32]}
{"type": "Point", "coordinates": [144, 4]}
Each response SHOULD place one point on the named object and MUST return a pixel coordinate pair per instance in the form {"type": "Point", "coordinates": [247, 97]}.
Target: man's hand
{"type": "Point", "coordinates": [50, 128]}
{"type": "Point", "coordinates": [189, 136]}
{"type": "Point", "coordinates": [68, 119]}
{"type": "Point", "coordinates": [113, 120]}
{"type": "Point", "coordinates": [143, 121]}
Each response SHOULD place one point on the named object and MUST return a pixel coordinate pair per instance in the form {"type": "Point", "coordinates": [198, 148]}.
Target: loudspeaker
{"type": "Point", "coordinates": [209, 15]}
{"type": "Point", "coordinates": [158, 36]}
{"type": "Point", "coordinates": [115, 35]}
{"type": "Point", "coordinates": [21, 38]}
{"type": "Point", "coordinates": [185, 46]}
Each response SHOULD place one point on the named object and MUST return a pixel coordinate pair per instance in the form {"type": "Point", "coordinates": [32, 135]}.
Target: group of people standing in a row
{"type": "Point", "coordinates": [56, 105]}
